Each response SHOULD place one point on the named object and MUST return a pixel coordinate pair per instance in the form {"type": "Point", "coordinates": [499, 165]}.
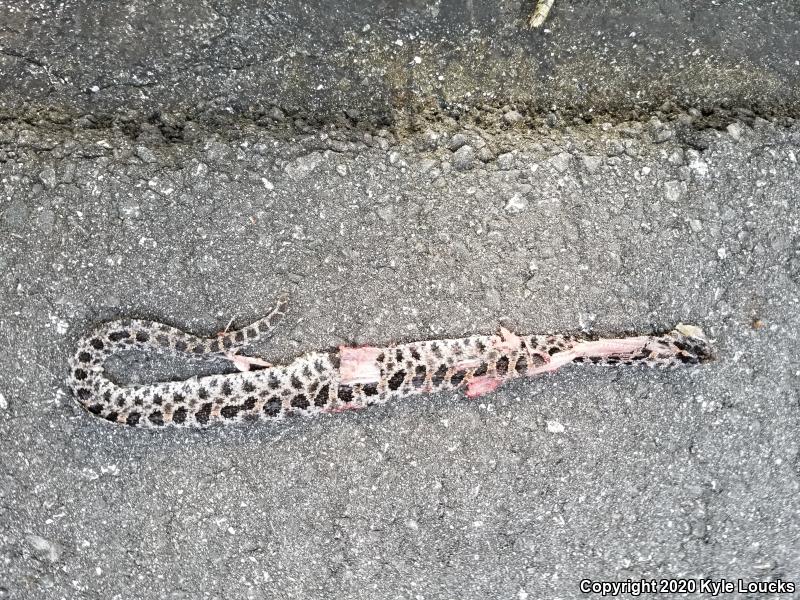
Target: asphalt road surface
{"type": "Point", "coordinates": [406, 171]}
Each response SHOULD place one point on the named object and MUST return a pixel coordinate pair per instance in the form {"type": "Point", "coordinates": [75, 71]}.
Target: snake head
{"type": "Point", "coordinates": [693, 344]}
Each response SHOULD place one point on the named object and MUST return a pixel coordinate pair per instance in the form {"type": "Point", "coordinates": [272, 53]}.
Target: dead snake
{"type": "Point", "coordinates": [350, 378]}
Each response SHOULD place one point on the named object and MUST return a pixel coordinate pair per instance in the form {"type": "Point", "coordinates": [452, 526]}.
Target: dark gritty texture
{"type": "Point", "coordinates": [588, 473]}
{"type": "Point", "coordinates": [91, 63]}
{"type": "Point", "coordinates": [188, 163]}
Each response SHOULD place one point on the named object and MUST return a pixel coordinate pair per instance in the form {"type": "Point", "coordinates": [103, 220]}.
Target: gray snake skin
{"type": "Point", "coordinates": [350, 378]}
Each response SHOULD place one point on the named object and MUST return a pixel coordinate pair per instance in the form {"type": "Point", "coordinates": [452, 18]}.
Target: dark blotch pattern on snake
{"type": "Point", "coordinates": [350, 378]}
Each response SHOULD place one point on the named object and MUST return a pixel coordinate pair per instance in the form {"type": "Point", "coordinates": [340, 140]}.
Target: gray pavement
{"type": "Point", "coordinates": [223, 60]}
{"type": "Point", "coordinates": [396, 222]}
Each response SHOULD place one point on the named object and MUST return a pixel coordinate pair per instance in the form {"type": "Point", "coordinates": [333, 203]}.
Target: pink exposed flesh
{"type": "Point", "coordinates": [507, 342]}
{"type": "Point", "coordinates": [467, 363]}
{"type": "Point", "coordinates": [613, 347]}
{"type": "Point", "coordinates": [359, 365]}
{"type": "Point", "coordinates": [623, 347]}
{"type": "Point", "coordinates": [478, 386]}
{"type": "Point", "coordinates": [244, 363]}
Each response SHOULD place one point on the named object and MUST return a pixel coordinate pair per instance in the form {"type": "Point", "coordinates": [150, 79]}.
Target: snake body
{"type": "Point", "coordinates": [349, 378]}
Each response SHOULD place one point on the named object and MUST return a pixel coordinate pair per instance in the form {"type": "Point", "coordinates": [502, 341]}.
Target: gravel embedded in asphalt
{"type": "Point", "coordinates": [187, 165]}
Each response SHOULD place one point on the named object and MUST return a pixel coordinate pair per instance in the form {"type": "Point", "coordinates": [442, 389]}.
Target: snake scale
{"type": "Point", "coordinates": [349, 378]}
